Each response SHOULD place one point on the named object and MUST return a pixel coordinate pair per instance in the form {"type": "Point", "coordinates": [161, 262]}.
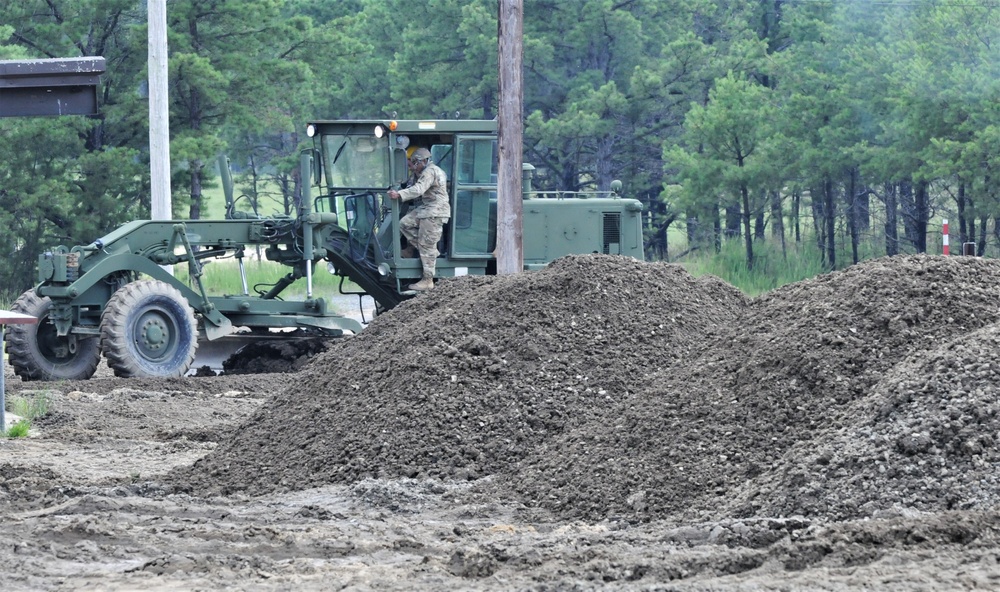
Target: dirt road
{"type": "Point", "coordinates": [314, 481]}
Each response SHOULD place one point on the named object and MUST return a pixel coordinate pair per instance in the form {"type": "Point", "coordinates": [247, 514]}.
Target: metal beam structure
{"type": "Point", "coordinates": [50, 87]}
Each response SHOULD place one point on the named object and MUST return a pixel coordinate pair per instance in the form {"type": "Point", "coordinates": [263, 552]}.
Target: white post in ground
{"type": "Point", "coordinates": [944, 236]}
{"type": "Point", "coordinates": [159, 109]}
{"type": "Point", "coordinates": [6, 318]}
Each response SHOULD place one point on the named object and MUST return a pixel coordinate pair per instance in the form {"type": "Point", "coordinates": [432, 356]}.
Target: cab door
{"type": "Point", "coordinates": [474, 198]}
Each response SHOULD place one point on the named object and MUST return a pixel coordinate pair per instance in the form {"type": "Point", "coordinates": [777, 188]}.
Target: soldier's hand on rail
{"type": "Point", "coordinates": [393, 194]}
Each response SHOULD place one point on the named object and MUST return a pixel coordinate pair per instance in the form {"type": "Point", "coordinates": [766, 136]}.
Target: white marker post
{"type": "Point", "coordinates": [8, 318]}
{"type": "Point", "coordinates": [944, 235]}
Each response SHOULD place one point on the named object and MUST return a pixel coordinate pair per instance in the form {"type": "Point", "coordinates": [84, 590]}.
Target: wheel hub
{"type": "Point", "coordinates": [154, 335]}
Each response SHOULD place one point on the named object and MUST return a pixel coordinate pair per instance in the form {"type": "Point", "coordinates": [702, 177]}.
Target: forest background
{"type": "Point", "coordinates": [786, 137]}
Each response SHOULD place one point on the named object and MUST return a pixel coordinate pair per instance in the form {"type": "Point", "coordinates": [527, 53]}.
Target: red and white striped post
{"type": "Point", "coordinates": [944, 236]}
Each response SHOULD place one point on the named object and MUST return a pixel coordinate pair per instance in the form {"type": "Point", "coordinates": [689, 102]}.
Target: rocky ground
{"type": "Point", "coordinates": [601, 424]}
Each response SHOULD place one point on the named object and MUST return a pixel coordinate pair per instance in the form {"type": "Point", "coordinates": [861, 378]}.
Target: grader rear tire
{"type": "Point", "coordinates": [36, 352]}
{"type": "Point", "coordinates": [148, 330]}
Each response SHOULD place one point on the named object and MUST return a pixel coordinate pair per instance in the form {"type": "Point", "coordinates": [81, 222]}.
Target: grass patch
{"type": "Point", "coordinates": [30, 406]}
{"type": "Point", "coordinates": [773, 267]}
{"type": "Point", "coordinates": [222, 277]}
{"type": "Point", "coordinates": [19, 429]}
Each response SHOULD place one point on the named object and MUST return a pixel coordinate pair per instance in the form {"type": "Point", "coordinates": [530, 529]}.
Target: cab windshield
{"type": "Point", "coordinates": [356, 162]}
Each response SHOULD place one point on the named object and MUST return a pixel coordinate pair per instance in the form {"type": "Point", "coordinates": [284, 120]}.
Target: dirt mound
{"type": "Point", "coordinates": [467, 380]}
{"type": "Point", "coordinates": [924, 438]}
{"type": "Point", "coordinates": [268, 357]}
{"type": "Point", "coordinates": [714, 437]}
{"type": "Point", "coordinates": [602, 387]}
{"type": "Point", "coordinates": [877, 327]}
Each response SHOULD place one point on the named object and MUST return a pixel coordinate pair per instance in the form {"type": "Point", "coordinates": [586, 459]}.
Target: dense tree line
{"type": "Point", "coordinates": [851, 124]}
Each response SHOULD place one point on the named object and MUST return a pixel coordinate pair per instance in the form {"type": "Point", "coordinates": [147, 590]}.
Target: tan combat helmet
{"type": "Point", "coordinates": [420, 155]}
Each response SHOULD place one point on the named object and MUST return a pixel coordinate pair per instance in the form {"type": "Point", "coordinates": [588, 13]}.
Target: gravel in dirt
{"type": "Point", "coordinates": [601, 423]}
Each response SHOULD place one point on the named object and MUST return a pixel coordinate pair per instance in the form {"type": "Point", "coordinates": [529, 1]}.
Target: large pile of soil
{"type": "Point", "coordinates": [606, 388]}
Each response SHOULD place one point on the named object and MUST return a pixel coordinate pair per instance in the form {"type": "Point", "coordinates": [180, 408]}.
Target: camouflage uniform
{"type": "Point", "coordinates": [423, 224]}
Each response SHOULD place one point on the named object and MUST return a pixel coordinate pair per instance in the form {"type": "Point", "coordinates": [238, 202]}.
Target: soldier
{"type": "Point", "coordinates": [423, 224]}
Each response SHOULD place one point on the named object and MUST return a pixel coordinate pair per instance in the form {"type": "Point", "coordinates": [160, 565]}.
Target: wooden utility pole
{"type": "Point", "coordinates": [510, 257]}
{"type": "Point", "coordinates": [159, 122]}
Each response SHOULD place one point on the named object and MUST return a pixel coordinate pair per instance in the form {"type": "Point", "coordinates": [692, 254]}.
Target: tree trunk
{"type": "Point", "coordinates": [747, 237]}
{"type": "Point", "coordinates": [661, 233]}
{"type": "Point", "coordinates": [658, 225]}
{"type": "Point", "coordinates": [777, 216]}
{"type": "Point", "coordinates": [981, 247]}
{"type": "Point", "coordinates": [284, 182]}
{"type": "Point", "coordinates": [831, 209]}
{"type": "Point", "coordinates": [759, 224]}
{"type": "Point", "coordinates": [963, 224]}
{"type": "Point", "coordinates": [923, 215]}
{"type": "Point", "coordinates": [853, 215]}
{"type": "Point", "coordinates": [778, 220]}
{"type": "Point", "coordinates": [796, 216]}
{"type": "Point", "coordinates": [195, 115]}
{"type": "Point", "coordinates": [254, 184]}
{"type": "Point", "coordinates": [487, 105]}
{"type": "Point", "coordinates": [297, 189]}
{"type": "Point", "coordinates": [967, 219]}
{"type": "Point", "coordinates": [604, 162]}
{"type": "Point", "coordinates": [819, 215]}
{"type": "Point", "coordinates": [864, 209]}
{"type": "Point", "coordinates": [693, 229]}
{"type": "Point", "coordinates": [908, 209]}
{"type": "Point", "coordinates": [733, 220]}
{"type": "Point", "coordinates": [717, 229]}
{"type": "Point", "coordinates": [196, 168]}
{"type": "Point", "coordinates": [891, 221]}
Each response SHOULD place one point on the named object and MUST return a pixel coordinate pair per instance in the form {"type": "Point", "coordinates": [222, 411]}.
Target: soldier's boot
{"type": "Point", "coordinates": [408, 252]}
{"type": "Point", "coordinates": [428, 264]}
{"type": "Point", "coordinates": [423, 285]}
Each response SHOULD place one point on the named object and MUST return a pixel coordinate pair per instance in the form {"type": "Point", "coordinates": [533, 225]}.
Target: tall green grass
{"type": "Point", "coordinates": [773, 267]}
{"type": "Point", "coordinates": [28, 408]}
{"type": "Point", "coordinates": [214, 200]}
{"type": "Point", "coordinates": [222, 278]}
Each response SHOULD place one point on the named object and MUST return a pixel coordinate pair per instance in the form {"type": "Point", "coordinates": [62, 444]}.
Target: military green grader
{"type": "Point", "coordinates": [117, 298]}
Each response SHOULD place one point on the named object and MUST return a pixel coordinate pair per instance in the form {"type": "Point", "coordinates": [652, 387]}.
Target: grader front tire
{"type": "Point", "coordinates": [149, 330]}
{"type": "Point", "coordinates": [37, 352]}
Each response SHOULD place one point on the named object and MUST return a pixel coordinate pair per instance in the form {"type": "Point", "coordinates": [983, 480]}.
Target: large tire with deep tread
{"type": "Point", "coordinates": [36, 352]}
{"type": "Point", "coordinates": [148, 330]}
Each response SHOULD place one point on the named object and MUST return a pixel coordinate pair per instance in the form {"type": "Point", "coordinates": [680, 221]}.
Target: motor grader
{"type": "Point", "coordinates": [117, 298]}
